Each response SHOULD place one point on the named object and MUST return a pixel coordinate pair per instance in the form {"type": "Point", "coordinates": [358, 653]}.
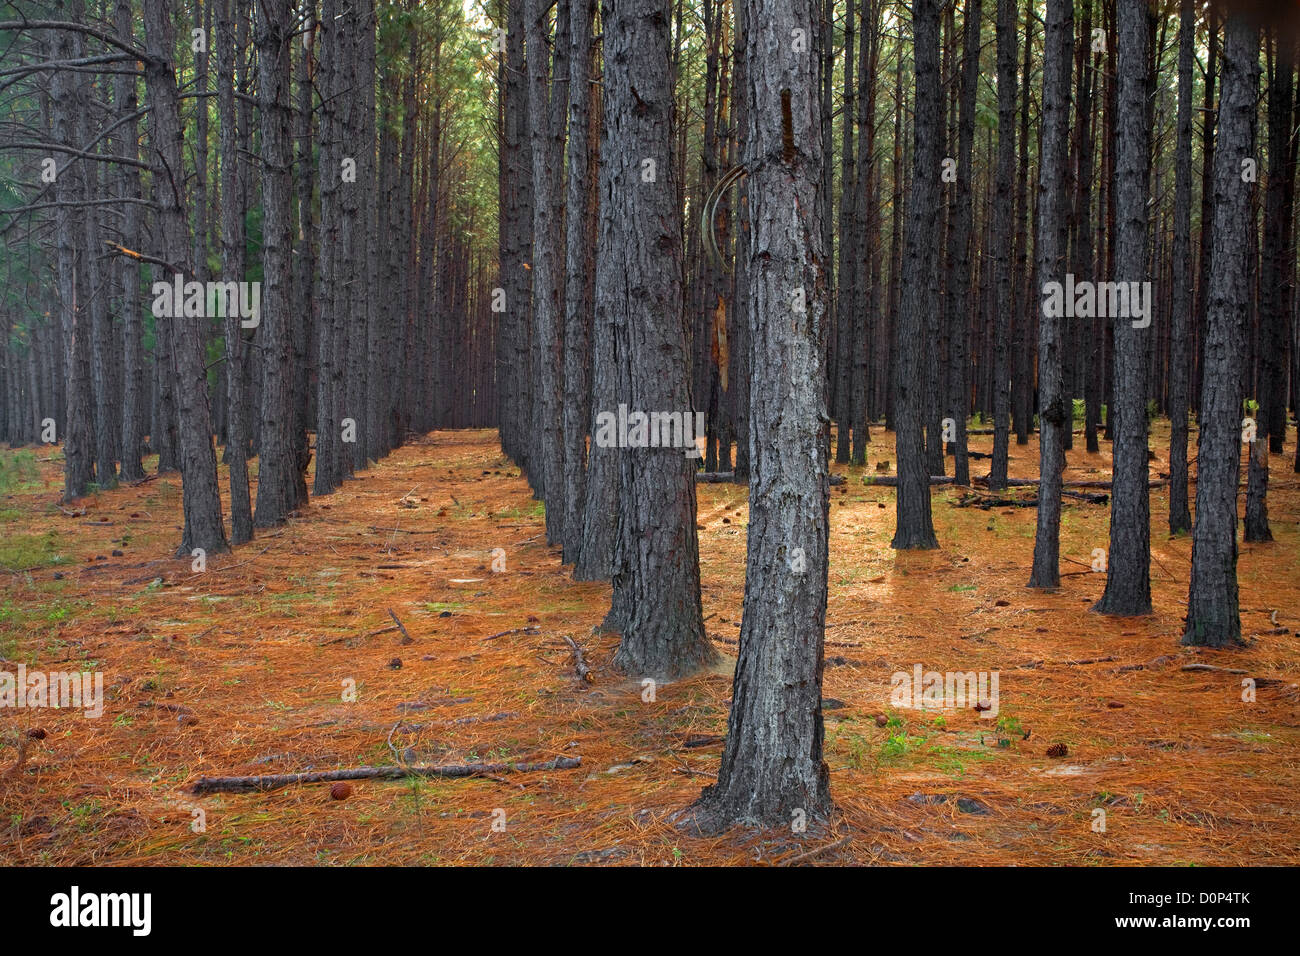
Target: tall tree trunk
{"type": "Point", "coordinates": [847, 320]}
{"type": "Point", "coordinates": [739, 372]}
{"type": "Point", "coordinates": [656, 599]}
{"type": "Point", "coordinates": [1274, 290]}
{"type": "Point", "coordinates": [1002, 240]}
{"type": "Point", "coordinates": [328, 288]}
{"type": "Point", "coordinates": [1027, 300]}
{"type": "Point", "coordinates": [1180, 518]}
{"type": "Point", "coordinates": [277, 476]}
{"type": "Point", "coordinates": [1209, 117]}
{"type": "Point", "coordinates": [1128, 566]}
{"type": "Point", "coordinates": [772, 770]}
{"type": "Point", "coordinates": [1054, 407]}
{"type": "Point", "coordinates": [1213, 612]}
{"type": "Point", "coordinates": [305, 310]}
{"type": "Point", "coordinates": [548, 357]}
{"type": "Point", "coordinates": [915, 527]}
{"type": "Point", "coordinates": [867, 238]}
{"type": "Point", "coordinates": [133, 370]}
{"type": "Point", "coordinates": [201, 499]}
{"type": "Point", "coordinates": [959, 320]}
{"type": "Point", "coordinates": [232, 266]}
{"type": "Point", "coordinates": [579, 240]}
{"type": "Point", "coordinates": [1082, 253]}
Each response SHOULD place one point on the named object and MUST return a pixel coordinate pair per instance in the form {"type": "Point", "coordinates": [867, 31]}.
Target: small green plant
{"type": "Point", "coordinates": [1009, 730]}
{"type": "Point", "coordinates": [17, 470]}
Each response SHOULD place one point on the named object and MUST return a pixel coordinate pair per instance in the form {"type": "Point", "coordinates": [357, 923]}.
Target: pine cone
{"type": "Point", "coordinates": [1057, 750]}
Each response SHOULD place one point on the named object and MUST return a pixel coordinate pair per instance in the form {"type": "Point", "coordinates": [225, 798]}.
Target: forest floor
{"type": "Point", "coordinates": [242, 669]}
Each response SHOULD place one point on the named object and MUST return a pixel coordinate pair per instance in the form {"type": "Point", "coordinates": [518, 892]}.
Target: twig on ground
{"type": "Point", "coordinates": [824, 848]}
{"type": "Point", "coordinates": [579, 662]}
{"type": "Point", "coordinates": [530, 629]}
{"type": "Point", "coordinates": [401, 627]}
{"type": "Point", "coordinates": [276, 781]}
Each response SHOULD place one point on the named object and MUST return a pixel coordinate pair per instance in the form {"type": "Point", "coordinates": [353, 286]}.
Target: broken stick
{"type": "Point", "coordinates": [401, 627]}
{"type": "Point", "coordinates": [579, 663]}
{"type": "Point", "coordinates": [276, 781]}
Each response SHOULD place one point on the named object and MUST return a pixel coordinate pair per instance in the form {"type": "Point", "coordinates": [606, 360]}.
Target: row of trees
{"type": "Point", "coordinates": [785, 215]}
{"type": "Point", "coordinates": [323, 150]}
{"type": "Point", "coordinates": [735, 273]}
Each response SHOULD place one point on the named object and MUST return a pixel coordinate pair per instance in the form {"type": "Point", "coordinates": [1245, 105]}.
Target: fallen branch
{"type": "Point", "coordinates": [824, 848]}
{"type": "Point", "coordinates": [1211, 667]}
{"type": "Point", "coordinates": [1033, 482]}
{"type": "Point", "coordinates": [276, 781]}
{"type": "Point", "coordinates": [407, 638]}
{"type": "Point", "coordinates": [579, 663]}
{"type": "Point", "coordinates": [979, 500]}
{"type": "Point", "coordinates": [530, 629]}
{"type": "Point", "coordinates": [1087, 660]}
{"type": "Point", "coordinates": [1154, 662]}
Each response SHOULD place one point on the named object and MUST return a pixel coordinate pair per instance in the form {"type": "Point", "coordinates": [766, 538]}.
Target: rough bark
{"type": "Point", "coordinates": [201, 500]}
{"type": "Point", "coordinates": [772, 771]}
{"type": "Point", "coordinates": [577, 304]}
{"type": "Point", "coordinates": [915, 528]}
{"type": "Point", "coordinates": [1002, 242]}
{"type": "Point", "coordinates": [133, 372]}
{"type": "Point", "coordinates": [68, 111]}
{"type": "Point", "coordinates": [1213, 611]}
{"type": "Point", "coordinates": [1275, 287]}
{"type": "Point", "coordinates": [277, 466]}
{"type": "Point", "coordinates": [548, 357]}
{"type": "Point", "coordinates": [656, 600]}
{"type": "Point", "coordinates": [1054, 407]}
{"type": "Point", "coordinates": [1128, 566]}
{"type": "Point", "coordinates": [1180, 518]}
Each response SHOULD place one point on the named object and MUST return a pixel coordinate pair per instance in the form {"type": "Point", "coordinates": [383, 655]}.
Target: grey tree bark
{"type": "Point", "coordinates": [329, 293]}
{"type": "Point", "coordinates": [133, 369]}
{"type": "Point", "coordinates": [579, 241]}
{"type": "Point", "coordinates": [1128, 565]}
{"type": "Point", "coordinates": [656, 599]}
{"type": "Point", "coordinates": [1180, 518]}
{"type": "Point", "coordinates": [548, 357]}
{"type": "Point", "coordinates": [1054, 407]}
{"type": "Point", "coordinates": [772, 771]}
{"type": "Point", "coordinates": [959, 320]}
{"type": "Point", "coordinates": [915, 528]}
{"type": "Point", "coordinates": [1275, 288]}
{"type": "Point", "coordinates": [201, 500]}
{"type": "Point", "coordinates": [68, 111]}
{"type": "Point", "coordinates": [232, 267]}
{"type": "Point", "coordinates": [277, 466]}
{"type": "Point", "coordinates": [1003, 241]}
{"type": "Point", "coordinates": [1213, 610]}
{"type": "Point", "coordinates": [847, 319]}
